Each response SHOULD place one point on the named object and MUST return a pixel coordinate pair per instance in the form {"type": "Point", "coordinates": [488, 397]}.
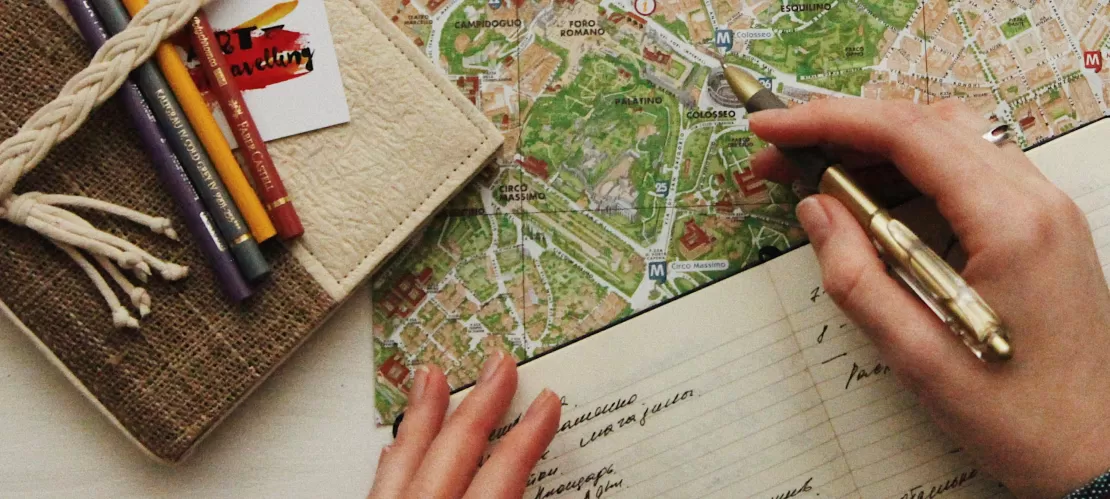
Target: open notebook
{"type": "Point", "coordinates": [758, 386]}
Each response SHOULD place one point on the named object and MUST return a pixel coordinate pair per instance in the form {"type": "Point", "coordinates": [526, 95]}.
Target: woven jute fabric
{"type": "Point", "coordinates": [197, 355]}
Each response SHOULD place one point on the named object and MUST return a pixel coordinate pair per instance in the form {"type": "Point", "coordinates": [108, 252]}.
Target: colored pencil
{"type": "Point", "coordinates": [205, 126]}
{"type": "Point", "coordinates": [266, 178]}
{"type": "Point", "coordinates": [184, 141]}
{"type": "Point", "coordinates": [169, 169]}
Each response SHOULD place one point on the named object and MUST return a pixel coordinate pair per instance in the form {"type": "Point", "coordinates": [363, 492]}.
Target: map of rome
{"type": "Point", "coordinates": [624, 181]}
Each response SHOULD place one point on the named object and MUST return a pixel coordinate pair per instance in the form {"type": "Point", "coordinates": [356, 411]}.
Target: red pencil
{"type": "Point", "coordinates": [261, 165]}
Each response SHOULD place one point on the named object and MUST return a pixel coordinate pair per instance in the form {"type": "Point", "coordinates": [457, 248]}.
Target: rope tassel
{"type": "Point", "coordinates": [120, 316]}
{"type": "Point", "coordinates": [60, 119]}
{"type": "Point", "coordinates": [39, 212]}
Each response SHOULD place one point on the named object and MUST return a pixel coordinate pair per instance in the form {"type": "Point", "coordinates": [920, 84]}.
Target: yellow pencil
{"type": "Point", "coordinates": [210, 135]}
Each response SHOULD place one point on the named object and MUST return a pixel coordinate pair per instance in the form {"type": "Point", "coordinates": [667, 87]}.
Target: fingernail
{"type": "Point", "coordinates": [420, 379]}
{"type": "Point", "coordinates": [493, 364]}
{"type": "Point", "coordinates": [541, 399]}
{"type": "Point", "coordinates": [814, 220]}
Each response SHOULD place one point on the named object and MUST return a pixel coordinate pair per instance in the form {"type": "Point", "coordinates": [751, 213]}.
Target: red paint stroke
{"type": "Point", "coordinates": [258, 58]}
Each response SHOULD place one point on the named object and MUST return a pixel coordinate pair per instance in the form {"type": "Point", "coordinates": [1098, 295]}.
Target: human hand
{"type": "Point", "coordinates": [1039, 422]}
{"type": "Point", "coordinates": [435, 459]}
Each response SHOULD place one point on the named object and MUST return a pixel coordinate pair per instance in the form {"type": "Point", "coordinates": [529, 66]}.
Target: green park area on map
{"type": "Point", "coordinates": [625, 178]}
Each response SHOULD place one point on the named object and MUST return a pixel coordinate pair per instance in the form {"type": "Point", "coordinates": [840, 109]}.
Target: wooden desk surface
{"type": "Point", "coordinates": [307, 432]}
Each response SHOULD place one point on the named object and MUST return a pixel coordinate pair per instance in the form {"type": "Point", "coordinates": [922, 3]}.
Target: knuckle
{"type": "Point", "coordinates": [1068, 222]}
{"type": "Point", "coordinates": [386, 457]}
{"type": "Point", "coordinates": [405, 437]}
{"type": "Point", "coordinates": [906, 112]}
{"type": "Point", "coordinates": [1042, 224]}
{"type": "Point", "coordinates": [1065, 208]}
{"type": "Point", "coordinates": [958, 115]}
{"type": "Point", "coordinates": [467, 421]}
{"type": "Point", "coordinates": [1037, 230]}
{"type": "Point", "coordinates": [474, 437]}
{"type": "Point", "coordinates": [842, 284]}
{"type": "Point", "coordinates": [820, 108]}
{"type": "Point", "coordinates": [952, 109]}
{"type": "Point", "coordinates": [470, 426]}
{"type": "Point", "coordinates": [412, 437]}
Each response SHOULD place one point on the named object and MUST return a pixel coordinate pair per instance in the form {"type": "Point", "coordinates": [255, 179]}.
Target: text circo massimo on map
{"type": "Point", "coordinates": [518, 193]}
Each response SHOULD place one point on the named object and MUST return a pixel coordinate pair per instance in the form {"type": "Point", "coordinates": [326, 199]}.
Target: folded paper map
{"type": "Point", "coordinates": [625, 180]}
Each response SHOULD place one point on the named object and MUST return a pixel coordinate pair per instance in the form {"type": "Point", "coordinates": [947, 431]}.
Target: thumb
{"type": "Point", "coordinates": [920, 349]}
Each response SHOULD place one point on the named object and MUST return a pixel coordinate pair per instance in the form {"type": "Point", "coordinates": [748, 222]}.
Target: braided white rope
{"type": "Point", "coordinates": [59, 120]}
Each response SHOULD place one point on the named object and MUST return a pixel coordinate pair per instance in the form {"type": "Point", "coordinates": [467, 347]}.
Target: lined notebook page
{"type": "Point", "coordinates": [1095, 202]}
{"type": "Point", "coordinates": [1092, 194]}
{"type": "Point", "coordinates": [758, 386]}
{"type": "Point", "coordinates": [726, 393]}
{"type": "Point", "coordinates": [704, 397]}
{"type": "Point", "coordinates": [1079, 163]}
{"type": "Point", "coordinates": [890, 446]}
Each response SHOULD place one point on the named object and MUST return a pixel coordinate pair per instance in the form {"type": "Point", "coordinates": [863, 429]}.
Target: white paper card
{"type": "Point", "coordinates": [286, 66]}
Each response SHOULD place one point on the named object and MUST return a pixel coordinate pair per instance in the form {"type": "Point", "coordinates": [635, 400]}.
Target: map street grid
{"type": "Point", "coordinates": [624, 181]}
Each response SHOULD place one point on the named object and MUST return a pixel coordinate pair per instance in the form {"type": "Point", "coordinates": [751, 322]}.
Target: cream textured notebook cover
{"type": "Point", "coordinates": [361, 189]}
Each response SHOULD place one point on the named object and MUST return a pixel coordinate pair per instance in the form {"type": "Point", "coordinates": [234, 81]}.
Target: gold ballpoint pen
{"type": "Point", "coordinates": [926, 273]}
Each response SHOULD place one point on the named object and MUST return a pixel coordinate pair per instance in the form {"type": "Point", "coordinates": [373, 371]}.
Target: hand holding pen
{"type": "Point", "coordinates": [1038, 421]}
{"type": "Point", "coordinates": [933, 280]}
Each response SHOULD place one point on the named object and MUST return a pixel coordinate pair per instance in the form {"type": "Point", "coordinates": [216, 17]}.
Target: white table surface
{"type": "Point", "coordinates": [307, 432]}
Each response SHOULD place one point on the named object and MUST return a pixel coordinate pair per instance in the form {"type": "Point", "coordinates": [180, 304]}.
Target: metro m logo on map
{"type": "Point", "coordinates": [1092, 59]}
{"type": "Point", "coordinates": [724, 39]}
{"type": "Point", "coordinates": [657, 271]}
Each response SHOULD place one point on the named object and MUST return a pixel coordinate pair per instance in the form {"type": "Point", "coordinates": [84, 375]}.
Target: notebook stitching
{"type": "Point", "coordinates": [450, 176]}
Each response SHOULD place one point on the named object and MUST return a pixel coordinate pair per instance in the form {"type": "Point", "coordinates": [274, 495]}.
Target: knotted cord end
{"type": "Point", "coordinates": [140, 299]}
{"type": "Point", "coordinates": [121, 318]}
{"type": "Point", "coordinates": [164, 227]}
{"type": "Point", "coordinates": [58, 120]}
{"type": "Point", "coordinates": [71, 233]}
{"type": "Point", "coordinates": [174, 272]}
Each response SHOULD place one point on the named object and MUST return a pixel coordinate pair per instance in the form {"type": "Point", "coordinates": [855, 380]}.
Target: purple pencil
{"type": "Point", "coordinates": [167, 165]}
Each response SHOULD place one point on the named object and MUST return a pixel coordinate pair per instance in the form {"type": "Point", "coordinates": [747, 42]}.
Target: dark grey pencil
{"type": "Point", "coordinates": [169, 169]}
{"type": "Point", "coordinates": [183, 139]}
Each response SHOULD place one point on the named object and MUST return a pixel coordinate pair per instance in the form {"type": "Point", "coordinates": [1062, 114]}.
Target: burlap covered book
{"type": "Point", "coordinates": [361, 190]}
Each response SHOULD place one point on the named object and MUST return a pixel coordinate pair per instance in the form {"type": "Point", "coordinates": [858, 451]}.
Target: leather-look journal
{"type": "Point", "coordinates": [361, 189]}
